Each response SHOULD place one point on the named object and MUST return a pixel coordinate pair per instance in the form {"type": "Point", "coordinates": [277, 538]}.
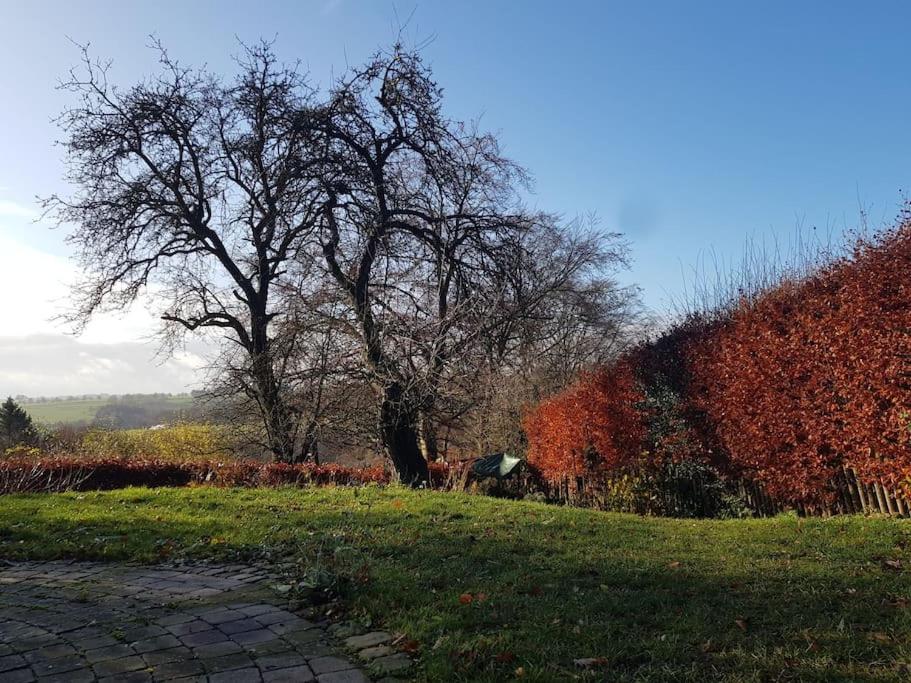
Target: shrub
{"type": "Point", "coordinates": [184, 441]}
{"type": "Point", "coordinates": [593, 426]}
{"type": "Point", "coordinates": [786, 389]}
{"type": "Point", "coordinates": [51, 474]}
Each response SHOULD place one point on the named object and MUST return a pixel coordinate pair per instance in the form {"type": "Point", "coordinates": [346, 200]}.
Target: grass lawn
{"type": "Point", "coordinates": [76, 410]}
{"type": "Point", "coordinates": [68, 411]}
{"type": "Point", "coordinates": [655, 599]}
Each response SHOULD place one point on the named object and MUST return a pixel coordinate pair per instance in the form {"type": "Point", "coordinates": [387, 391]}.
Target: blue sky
{"type": "Point", "coordinates": [687, 126]}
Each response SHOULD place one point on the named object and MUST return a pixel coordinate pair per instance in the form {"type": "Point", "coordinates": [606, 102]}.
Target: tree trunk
{"type": "Point", "coordinates": [278, 424]}
{"type": "Point", "coordinates": [399, 432]}
{"type": "Point", "coordinates": [428, 438]}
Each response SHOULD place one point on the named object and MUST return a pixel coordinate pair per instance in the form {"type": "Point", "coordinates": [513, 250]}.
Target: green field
{"type": "Point", "coordinates": [497, 590]}
{"type": "Point", "coordinates": [72, 411]}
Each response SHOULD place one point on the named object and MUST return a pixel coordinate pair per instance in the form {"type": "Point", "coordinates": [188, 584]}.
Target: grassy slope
{"type": "Point", "coordinates": [83, 410]}
{"type": "Point", "coordinates": [659, 599]}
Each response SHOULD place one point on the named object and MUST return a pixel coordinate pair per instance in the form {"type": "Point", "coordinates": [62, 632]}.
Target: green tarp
{"type": "Point", "coordinates": [498, 465]}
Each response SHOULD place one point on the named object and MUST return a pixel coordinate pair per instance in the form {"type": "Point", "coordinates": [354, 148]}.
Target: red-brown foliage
{"type": "Point", "coordinates": [18, 474]}
{"type": "Point", "coordinates": [815, 375]}
{"type": "Point", "coordinates": [786, 390]}
{"type": "Point", "coordinates": [33, 474]}
{"type": "Point", "coordinates": [593, 425]}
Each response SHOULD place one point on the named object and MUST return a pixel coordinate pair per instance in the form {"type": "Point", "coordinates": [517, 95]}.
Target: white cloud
{"type": "Point", "coordinates": [115, 354]}
{"type": "Point", "coordinates": [54, 364]}
{"type": "Point", "coordinates": [41, 283]}
{"type": "Point", "coordinates": [15, 210]}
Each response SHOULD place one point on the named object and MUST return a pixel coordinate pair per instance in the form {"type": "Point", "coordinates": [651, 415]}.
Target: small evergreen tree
{"type": "Point", "coordinates": [15, 425]}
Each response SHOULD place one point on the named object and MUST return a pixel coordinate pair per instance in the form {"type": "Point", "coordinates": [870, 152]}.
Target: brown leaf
{"type": "Point", "coordinates": [409, 646]}
{"type": "Point", "coordinates": [742, 624]}
{"type": "Point", "coordinates": [465, 599]}
{"type": "Point", "coordinates": [674, 565]}
{"type": "Point", "coordinates": [590, 662]}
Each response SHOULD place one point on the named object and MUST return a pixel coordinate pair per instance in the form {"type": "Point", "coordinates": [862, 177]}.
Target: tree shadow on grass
{"type": "Point", "coordinates": [537, 588]}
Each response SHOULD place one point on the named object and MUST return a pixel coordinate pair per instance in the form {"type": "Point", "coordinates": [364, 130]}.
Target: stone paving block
{"type": "Point", "coordinates": [192, 626]}
{"type": "Point", "coordinates": [253, 637]}
{"type": "Point", "coordinates": [58, 665]}
{"type": "Point", "coordinates": [178, 669]}
{"type": "Point", "coordinates": [118, 667]}
{"type": "Point", "coordinates": [226, 647]}
{"type": "Point", "coordinates": [156, 643]}
{"type": "Point", "coordinates": [347, 676]}
{"type": "Point", "coordinates": [239, 626]}
{"type": "Point", "coordinates": [323, 665]}
{"type": "Point", "coordinates": [270, 647]}
{"type": "Point", "coordinates": [102, 654]}
{"type": "Point", "coordinates": [274, 616]}
{"type": "Point", "coordinates": [203, 638]}
{"type": "Point", "coordinates": [291, 626]}
{"type": "Point", "coordinates": [368, 640]}
{"type": "Point", "coordinates": [250, 675]}
{"type": "Point", "coordinates": [76, 676]}
{"type": "Point", "coordinates": [164, 656]}
{"type": "Point", "coordinates": [256, 610]}
{"type": "Point", "coordinates": [298, 674]}
{"type": "Point", "coordinates": [284, 660]}
{"type": "Point", "coordinates": [220, 616]}
{"type": "Point", "coordinates": [376, 651]}
{"type": "Point", "coordinates": [94, 643]}
{"type": "Point", "coordinates": [142, 633]}
{"type": "Point", "coordinates": [174, 619]}
{"type": "Point", "coordinates": [80, 622]}
{"type": "Point", "coordinates": [237, 660]}
{"type": "Point", "coordinates": [316, 649]}
{"type": "Point", "coordinates": [18, 676]}
{"type": "Point", "coordinates": [130, 677]}
{"type": "Point", "coordinates": [12, 662]}
{"type": "Point", "coordinates": [49, 652]}
{"type": "Point", "coordinates": [304, 637]}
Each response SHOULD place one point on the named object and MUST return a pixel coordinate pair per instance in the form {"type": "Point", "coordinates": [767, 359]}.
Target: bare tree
{"type": "Point", "coordinates": [358, 239]}
{"type": "Point", "coordinates": [425, 232]}
{"type": "Point", "coordinates": [194, 187]}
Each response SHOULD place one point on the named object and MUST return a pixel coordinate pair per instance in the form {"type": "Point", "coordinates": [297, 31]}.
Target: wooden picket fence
{"type": "Point", "coordinates": [853, 496]}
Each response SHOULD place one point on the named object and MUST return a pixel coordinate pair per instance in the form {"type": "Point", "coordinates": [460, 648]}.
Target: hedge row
{"type": "Point", "coordinates": [52, 474]}
{"type": "Point", "coordinates": [789, 390]}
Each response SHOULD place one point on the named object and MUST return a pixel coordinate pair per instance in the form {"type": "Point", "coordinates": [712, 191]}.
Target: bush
{"type": "Point", "coordinates": [52, 474]}
{"type": "Point", "coordinates": [184, 441]}
{"type": "Point", "coordinates": [789, 389]}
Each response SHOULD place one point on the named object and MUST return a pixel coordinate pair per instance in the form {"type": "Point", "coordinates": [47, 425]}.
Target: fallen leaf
{"type": "Point", "coordinates": [674, 565]}
{"type": "Point", "coordinates": [409, 646]}
{"type": "Point", "coordinates": [742, 624]}
{"type": "Point", "coordinates": [520, 672]}
{"type": "Point", "coordinates": [480, 597]}
{"type": "Point", "coordinates": [465, 598]}
{"type": "Point", "coordinates": [505, 657]}
{"type": "Point", "coordinates": [590, 662]}
{"type": "Point", "coordinates": [895, 565]}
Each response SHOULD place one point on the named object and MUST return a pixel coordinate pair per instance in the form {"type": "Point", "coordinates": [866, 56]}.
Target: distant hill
{"type": "Point", "coordinates": [121, 412]}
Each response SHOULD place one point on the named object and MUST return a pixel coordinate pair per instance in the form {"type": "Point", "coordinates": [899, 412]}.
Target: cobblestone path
{"type": "Point", "coordinates": [80, 621]}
